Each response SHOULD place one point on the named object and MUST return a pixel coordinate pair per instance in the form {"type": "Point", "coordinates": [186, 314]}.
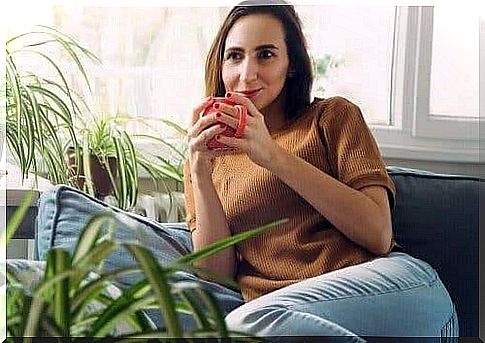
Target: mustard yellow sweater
{"type": "Point", "coordinates": [333, 136]}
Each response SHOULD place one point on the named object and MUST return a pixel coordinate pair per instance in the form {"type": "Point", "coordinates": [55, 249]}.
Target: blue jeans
{"type": "Point", "coordinates": [393, 296]}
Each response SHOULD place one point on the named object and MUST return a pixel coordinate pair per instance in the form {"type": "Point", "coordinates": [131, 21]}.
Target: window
{"type": "Point", "coordinates": [153, 58]}
{"type": "Point", "coordinates": [454, 64]}
{"type": "Point", "coordinates": [418, 132]}
{"type": "Point", "coordinates": [339, 40]}
{"type": "Point", "coordinates": [396, 63]}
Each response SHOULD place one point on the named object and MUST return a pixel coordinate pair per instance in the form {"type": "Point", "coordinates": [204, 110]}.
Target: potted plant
{"type": "Point", "coordinates": [47, 132]}
{"type": "Point", "coordinates": [111, 159]}
{"type": "Point", "coordinates": [40, 110]}
{"type": "Point", "coordinates": [75, 298]}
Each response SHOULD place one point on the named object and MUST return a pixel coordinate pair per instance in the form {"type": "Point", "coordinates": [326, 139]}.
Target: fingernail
{"type": "Point", "coordinates": [222, 125]}
{"type": "Point", "coordinates": [228, 95]}
{"type": "Point", "coordinates": [218, 114]}
{"type": "Point", "coordinates": [216, 105]}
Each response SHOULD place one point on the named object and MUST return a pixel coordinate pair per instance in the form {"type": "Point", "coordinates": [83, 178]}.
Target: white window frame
{"type": "Point", "coordinates": [415, 133]}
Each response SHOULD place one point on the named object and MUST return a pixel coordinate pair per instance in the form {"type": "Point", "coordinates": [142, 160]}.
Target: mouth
{"type": "Point", "coordinates": [250, 93]}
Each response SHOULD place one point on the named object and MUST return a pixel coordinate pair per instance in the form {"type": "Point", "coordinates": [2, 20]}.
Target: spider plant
{"type": "Point", "coordinates": [45, 122]}
{"type": "Point", "coordinates": [72, 298]}
{"type": "Point", "coordinates": [40, 110]}
{"type": "Point", "coordinates": [106, 142]}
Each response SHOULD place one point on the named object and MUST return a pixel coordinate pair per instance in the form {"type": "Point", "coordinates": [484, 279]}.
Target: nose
{"type": "Point", "coordinates": [249, 70]}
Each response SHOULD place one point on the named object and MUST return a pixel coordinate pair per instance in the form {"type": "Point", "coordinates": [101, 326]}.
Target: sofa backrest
{"type": "Point", "coordinates": [436, 218]}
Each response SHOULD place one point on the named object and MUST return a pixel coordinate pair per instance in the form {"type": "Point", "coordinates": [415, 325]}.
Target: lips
{"type": "Point", "coordinates": [250, 93]}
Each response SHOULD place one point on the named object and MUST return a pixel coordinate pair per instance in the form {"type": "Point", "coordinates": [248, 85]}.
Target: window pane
{"type": "Point", "coordinates": [454, 66]}
{"type": "Point", "coordinates": [353, 47]}
{"type": "Point", "coordinates": [153, 58]}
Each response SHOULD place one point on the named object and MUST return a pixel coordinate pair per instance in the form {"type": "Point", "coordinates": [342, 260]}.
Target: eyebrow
{"type": "Point", "coordinates": [258, 48]}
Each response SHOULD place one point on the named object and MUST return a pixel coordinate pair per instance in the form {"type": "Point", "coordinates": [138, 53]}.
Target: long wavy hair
{"type": "Point", "coordinates": [298, 86]}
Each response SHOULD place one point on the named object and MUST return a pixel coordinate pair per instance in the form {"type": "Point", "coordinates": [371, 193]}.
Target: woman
{"type": "Point", "coordinates": [333, 268]}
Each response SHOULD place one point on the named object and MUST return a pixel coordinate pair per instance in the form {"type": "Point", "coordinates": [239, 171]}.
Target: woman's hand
{"type": "Point", "coordinates": [256, 141]}
{"type": "Point", "coordinates": [201, 130]}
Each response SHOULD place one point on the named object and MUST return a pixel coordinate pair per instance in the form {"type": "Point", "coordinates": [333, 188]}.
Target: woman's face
{"type": "Point", "coordinates": [256, 59]}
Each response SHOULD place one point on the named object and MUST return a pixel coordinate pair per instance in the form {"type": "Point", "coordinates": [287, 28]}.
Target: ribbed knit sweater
{"type": "Point", "coordinates": [331, 135]}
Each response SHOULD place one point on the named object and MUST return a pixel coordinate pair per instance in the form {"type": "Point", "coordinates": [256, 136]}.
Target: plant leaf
{"type": "Point", "coordinates": [160, 287]}
{"type": "Point", "coordinates": [16, 219]}
{"type": "Point", "coordinates": [90, 235]}
{"type": "Point", "coordinates": [225, 243]}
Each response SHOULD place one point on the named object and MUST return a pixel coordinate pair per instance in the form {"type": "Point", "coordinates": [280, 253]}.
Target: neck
{"type": "Point", "coordinates": [274, 113]}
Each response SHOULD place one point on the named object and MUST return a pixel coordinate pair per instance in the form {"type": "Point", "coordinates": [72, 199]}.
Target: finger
{"type": "Point", "coordinates": [200, 142]}
{"type": "Point", "coordinates": [231, 142]}
{"type": "Point", "coordinates": [203, 123]}
{"type": "Point", "coordinates": [228, 120]}
{"type": "Point", "coordinates": [242, 100]}
{"type": "Point", "coordinates": [196, 111]}
{"type": "Point", "coordinates": [211, 132]}
{"type": "Point", "coordinates": [223, 151]}
{"type": "Point", "coordinates": [225, 108]}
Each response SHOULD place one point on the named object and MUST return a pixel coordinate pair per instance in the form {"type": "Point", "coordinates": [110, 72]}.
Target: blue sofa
{"type": "Point", "coordinates": [436, 218]}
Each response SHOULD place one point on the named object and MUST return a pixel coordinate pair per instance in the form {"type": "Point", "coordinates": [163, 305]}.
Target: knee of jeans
{"type": "Point", "coordinates": [255, 321]}
{"type": "Point", "coordinates": [450, 329]}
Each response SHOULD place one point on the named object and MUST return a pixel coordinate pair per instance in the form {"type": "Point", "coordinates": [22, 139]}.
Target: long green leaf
{"type": "Point", "coordinates": [12, 75]}
{"type": "Point", "coordinates": [97, 254]}
{"type": "Point", "coordinates": [160, 287]}
{"type": "Point", "coordinates": [65, 43]}
{"type": "Point", "coordinates": [204, 272]}
{"type": "Point", "coordinates": [214, 308]}
{"type": "Point", "coordinates": [119, 309]}
{"type": "Point", "coordinates": [88, 184]}
{"type": "Point", "coordinates": [225, 243]}
{"type": "Point", "coordinates": [164, 142]}
{"type": "Point", "coordinates": [59, 73]}
{"type": "Point", "coordinates": [61, 262]}
{"type": "Point", "coordinates": [33, 319]}
{"type": "Point", "coordinates": [122, 174]}
{"type": "Point", "coordinates": [51, 327]}
{"type": "Point", "coordinates": [131, 156]}
{"type": "Point", "coordinates": [90, 291]}
{"type": "Point", "coordinates": [185, 289]}
{"type": "Point", "coordinates": [71, 40]}
{"type": "Point", "coordinates": [90, 235]}
{"type": "Point", "coordinates": [19, 214]}
{"type": "Point", "coordinates": [175, 126]}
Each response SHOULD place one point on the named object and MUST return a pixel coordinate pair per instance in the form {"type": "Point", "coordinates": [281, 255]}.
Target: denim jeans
{"type": "Point", "coordinates": [393, 296]}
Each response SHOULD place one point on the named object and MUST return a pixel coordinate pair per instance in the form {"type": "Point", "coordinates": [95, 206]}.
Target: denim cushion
{"type": "Point", "coordinates": [436, 218]}
{"type": "Point", "coordinates": [64, 211]}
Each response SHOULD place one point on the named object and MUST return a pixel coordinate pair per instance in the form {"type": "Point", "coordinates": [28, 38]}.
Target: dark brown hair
{"type": "Point", "coordinates": [298, 87]}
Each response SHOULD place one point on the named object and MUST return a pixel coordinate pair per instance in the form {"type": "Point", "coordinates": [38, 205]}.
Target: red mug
{"type": "Point", "coordinates": [229, 131]}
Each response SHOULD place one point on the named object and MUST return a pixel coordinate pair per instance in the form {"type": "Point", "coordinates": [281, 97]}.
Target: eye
{"type": "Point", "coordinates": [265, 54]}
{"type": "Point", "coordinates": [233, 56]}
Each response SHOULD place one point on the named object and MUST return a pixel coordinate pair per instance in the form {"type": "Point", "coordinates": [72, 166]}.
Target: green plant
{"type": "Point", "coordinates": [71, 300]}
{"type": "Point", "coordinates": [168, 168]}
{"type": "Point", "coordinates": [46, 119]}
{"type": "Point", "coordinates": [105, 138]}
{"type": "Point", "coordinates": [40, 110]}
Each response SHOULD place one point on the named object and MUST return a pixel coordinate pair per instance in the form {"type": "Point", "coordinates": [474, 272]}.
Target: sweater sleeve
{"type": "Point", "coordinates": [189, 198]}
{"type": "Point", "coordinates": [353, 153]}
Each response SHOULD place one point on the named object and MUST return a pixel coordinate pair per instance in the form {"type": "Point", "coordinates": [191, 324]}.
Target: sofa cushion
{"type": "Point", "coordinates": [64, 211]}
{"type": "Point", "coordinates": [436, 218]}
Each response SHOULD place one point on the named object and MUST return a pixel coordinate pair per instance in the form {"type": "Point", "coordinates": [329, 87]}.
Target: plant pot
{"type": "Point", "coordinates": [99, 173]}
